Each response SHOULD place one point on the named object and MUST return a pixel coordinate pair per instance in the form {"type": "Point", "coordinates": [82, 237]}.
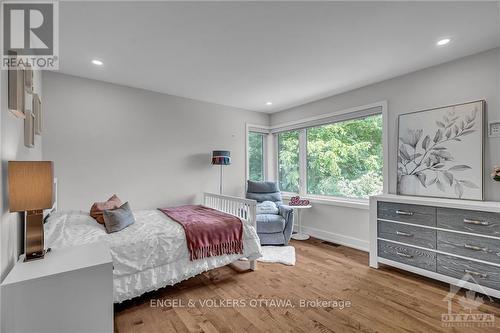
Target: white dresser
{"type": "Point", "coordinates": [70, 290]}
{"type": "Point", "coordinates": [454, 241]}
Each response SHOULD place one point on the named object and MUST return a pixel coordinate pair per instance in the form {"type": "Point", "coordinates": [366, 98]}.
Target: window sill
{"type": "Point", "coordinates": [334, 201]}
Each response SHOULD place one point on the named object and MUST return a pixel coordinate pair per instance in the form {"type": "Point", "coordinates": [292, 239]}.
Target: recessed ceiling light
{"type": "Point", "coordinates": [443, 42]}
{"type": "Point", "coordinates": [269, 103]}
{"type": "Point", "coordinates": [97, 62]}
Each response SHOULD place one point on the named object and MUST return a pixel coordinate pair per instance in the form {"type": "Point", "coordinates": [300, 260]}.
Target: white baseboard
{"type": "Point", "coordinates": [348, 241]}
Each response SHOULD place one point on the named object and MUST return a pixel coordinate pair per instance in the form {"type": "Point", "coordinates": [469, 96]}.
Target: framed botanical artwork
{"type": "Point", "coordinates": [37, 111]}
{"type": "Point", "coordinates": [29, 130]}
{"type": "Point", "coordinates": [440, 152]}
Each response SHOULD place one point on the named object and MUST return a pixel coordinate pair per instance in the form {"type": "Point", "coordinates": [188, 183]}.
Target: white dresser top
{"type": "Point", "coordinates": [487, 206]}
{"type": "Point", "coordinates": [60, 261]}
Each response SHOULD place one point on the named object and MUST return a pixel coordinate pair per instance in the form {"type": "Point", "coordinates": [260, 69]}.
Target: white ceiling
{"type": "Point", "coordinates": [244, 54]}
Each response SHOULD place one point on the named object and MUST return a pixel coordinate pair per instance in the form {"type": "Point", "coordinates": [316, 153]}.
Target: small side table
{"type": "Point", "coordinates": [299, 235]}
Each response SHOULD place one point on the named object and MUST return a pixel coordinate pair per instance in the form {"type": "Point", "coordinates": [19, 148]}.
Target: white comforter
{"type": "Point", "coordinates": [149, 254]}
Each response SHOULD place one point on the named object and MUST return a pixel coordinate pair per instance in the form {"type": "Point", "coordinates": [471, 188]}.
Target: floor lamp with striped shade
{"type": "Point", "coordinates": [221, 157]}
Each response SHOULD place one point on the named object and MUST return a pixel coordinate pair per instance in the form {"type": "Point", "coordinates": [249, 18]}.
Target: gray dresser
{"type": "Point", "coordinates": [454, 241]}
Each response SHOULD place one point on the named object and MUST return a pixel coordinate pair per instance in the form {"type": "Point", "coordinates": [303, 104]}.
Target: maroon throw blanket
{"type": "Point", "coordinates": [209, 232]}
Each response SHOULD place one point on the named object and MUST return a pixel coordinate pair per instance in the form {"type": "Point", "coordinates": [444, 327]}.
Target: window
{"type": "Point", "coordinates": [288, 161]}
{"type": "Point", "coordinates": [256, 156]}
{"type": "Point", "coordinates": [344, 159]}
{"type": "Point", "coordinates": [341, 157]}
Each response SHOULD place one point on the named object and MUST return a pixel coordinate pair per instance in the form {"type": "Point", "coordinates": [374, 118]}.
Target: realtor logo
{"type": "Point", "coordinates": [30, 32]}
{"type": "Point", "coordinates": [467, 314]}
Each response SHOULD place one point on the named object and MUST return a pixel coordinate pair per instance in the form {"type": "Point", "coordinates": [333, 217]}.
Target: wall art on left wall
{"type": "Point", "coordinates": [440, 152]}
{"type": "Point", "coordinates": [29, 130]}
{"type": "Point", "coordinates": [23, 102]}
{"type": "Point", "coordinates": [28, 78]}
{"type": "Point", "coordinates": [16, 91]}
{"type": "Point", "coordinates": [37, 111]}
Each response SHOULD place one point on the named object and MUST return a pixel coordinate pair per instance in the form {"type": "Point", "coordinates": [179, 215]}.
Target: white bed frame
{"type": "Point", "coordinates": [244, 209]}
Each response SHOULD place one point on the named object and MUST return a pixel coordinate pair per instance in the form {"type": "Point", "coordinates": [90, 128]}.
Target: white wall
{"type": "Point", "coordinates": [151, 149]}
{"type": "Point", "coordinates": [12, 148]}
{"type": "Point", "coordinates": [338, 224]}
{"type": "Point", "coordinates": [467, 79]}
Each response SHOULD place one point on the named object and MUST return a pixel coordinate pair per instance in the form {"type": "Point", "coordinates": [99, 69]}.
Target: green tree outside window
{"type": "Point", "coordinates": [256, 156]}
{"type": "Point", "coordinates": [288, 161]}
{"type": "Point", "coordinates": [343, 159]}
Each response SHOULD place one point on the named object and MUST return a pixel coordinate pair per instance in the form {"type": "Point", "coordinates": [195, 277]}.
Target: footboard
{"type": "Point", "coordinates": [245, 209]}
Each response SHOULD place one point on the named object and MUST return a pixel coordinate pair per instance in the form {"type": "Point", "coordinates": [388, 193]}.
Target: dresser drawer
{"type": "Point", "coordinates": [485, 275]}
{"type": "Point", "coordinates": [408, 234]}
{"type": "Point", "coordinates": [407, 255]}
{"type": "Point", "coordinates": [475, 247]}
{"type": "Point", "coordinates": [469, 221]}
{"type": "Point", "coordinates": [416, 214]}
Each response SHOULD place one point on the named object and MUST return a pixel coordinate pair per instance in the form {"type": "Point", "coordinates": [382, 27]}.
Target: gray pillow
{"type": "Point", "coordinates": [118, 218]}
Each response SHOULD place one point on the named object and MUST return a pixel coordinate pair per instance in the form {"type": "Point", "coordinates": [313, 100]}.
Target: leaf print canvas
{"type": "Point", "coordinates": [440, 152]}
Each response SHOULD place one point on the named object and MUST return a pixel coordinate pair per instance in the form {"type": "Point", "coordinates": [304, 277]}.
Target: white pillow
{"type": "Point", "coordinates": [267, 207]}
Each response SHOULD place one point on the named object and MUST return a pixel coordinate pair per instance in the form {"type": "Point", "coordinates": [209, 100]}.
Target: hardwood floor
{"type": "Point", "coordinates": [383, 300]}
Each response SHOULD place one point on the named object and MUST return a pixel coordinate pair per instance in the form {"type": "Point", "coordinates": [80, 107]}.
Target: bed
{"type": "Point", "coordinates": [152, 253]}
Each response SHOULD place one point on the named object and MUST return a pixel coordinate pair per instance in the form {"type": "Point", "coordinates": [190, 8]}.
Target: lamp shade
{"type": "Point", "coordinates": [31, 185]}
{"type": "Point", "coordinates": [221, 157]}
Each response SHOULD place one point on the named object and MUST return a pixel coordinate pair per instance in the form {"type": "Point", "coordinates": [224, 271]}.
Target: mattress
{"type": "Point", "coordinates": [150, 254]}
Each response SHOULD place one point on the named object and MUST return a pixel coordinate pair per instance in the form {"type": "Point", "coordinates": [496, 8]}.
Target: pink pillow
{"type": "Point", "coordinates": [97, 209]}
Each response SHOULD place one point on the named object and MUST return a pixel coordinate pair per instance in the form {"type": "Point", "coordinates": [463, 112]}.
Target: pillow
{"type": "Point", "coordinates": [267, 207]}
{"type": "Point", "coordinates": [118, 218]}
{"type": "Point", "coordinates": [98, 207]}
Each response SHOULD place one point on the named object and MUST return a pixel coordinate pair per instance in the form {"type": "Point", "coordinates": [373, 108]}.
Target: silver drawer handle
{"type": "Point", "coordinates": [401, 233]}
{"type": "Point", "coordinates": [406, 255]}
{"type": "Point", "coordinates": [404, 212]}
{"type": "Point", "coordinates": [482, 275]}
{"type": "Point", "coordinates": [476, 222]}
{"type": "Point", "coordinates": [475, 248]}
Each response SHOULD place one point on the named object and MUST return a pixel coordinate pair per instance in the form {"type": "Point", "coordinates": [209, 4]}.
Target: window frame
{"type": "Point", "coordinates": [277, 153]}
{"type": "Point", "coordinates": [264, 153]}
{"type": "Point", "coordinates": [265, 131]}
{"type": "Point", "coordinates": [343, 115]}
{"type": "Point", "coordinates": [302, 159]}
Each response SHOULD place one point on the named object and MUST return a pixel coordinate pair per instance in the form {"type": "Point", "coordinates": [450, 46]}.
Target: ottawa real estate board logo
{"type": "Point", "coordinates": [30, 34]}
{"type": "Point", "coordinates": [463, 311]}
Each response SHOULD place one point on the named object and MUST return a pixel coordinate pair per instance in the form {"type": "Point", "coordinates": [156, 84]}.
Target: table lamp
{"type": "Point", "coordinates": [31, 190]}
{"type": "Point", "coordinates": [221, 157]}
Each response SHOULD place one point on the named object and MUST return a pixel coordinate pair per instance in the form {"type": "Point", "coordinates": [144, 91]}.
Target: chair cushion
{"type": "Point", "coordinates": [264, 191]}
{"type": "Point", "coordinates": [269, 223]}
{"type": "Point", "coordinates": [262, 187]}
{"type": "Point", "coordinates": [261, 197]}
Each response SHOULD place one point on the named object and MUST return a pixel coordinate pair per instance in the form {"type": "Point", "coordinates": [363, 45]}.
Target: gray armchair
{"type": "Point", "coordinates": [273, 229]}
